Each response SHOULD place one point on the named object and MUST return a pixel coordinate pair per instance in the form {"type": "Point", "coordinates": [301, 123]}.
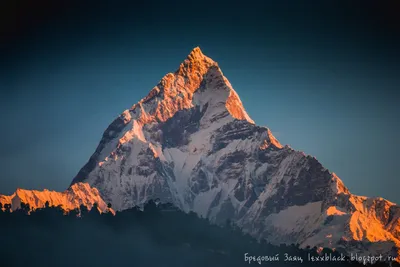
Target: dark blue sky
{"type": "Point", "coordinates": [323, 77]}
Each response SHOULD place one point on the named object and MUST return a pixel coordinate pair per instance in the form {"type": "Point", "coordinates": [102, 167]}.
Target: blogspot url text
{"type": "Point", "coordinates": [286, 257]}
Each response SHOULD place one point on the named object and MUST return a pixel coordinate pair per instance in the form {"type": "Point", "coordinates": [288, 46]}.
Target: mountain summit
{"type": "Point", "coordinates": [190, 142]}
{"type": "Point", "coordinates": [196, 74]}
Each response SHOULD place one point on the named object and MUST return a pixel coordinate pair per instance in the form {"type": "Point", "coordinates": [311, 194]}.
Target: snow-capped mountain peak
{"type": "Point", "coordinates": [196, 62]}
{"type": "Point", "coordinates": [190, 142]}
{"type": "Point", "coordinates": [198, 81]}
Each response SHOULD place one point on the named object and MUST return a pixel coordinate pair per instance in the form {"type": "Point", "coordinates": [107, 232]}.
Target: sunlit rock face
{"type": "Point", "coordinates": [191, 142]}
{"type": "Point", "coordinates": [78, 194]}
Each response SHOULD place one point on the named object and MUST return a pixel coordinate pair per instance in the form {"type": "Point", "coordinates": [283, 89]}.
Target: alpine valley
{"type": "Point", "coordinates": [190, 142]}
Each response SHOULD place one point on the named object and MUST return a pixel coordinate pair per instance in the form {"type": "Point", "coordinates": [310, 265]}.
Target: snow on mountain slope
{"type": "Point", "coordinates": [191, 142]}
{"type": "Point", "coordinates": [78, 194]}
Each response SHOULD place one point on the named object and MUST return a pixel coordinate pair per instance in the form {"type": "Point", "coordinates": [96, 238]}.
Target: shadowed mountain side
{"type": "Point", "coordinates": [161, 235]}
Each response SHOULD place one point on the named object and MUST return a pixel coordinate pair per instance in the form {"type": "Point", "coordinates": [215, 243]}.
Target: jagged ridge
{"type": "Point", "coordinates": [76, 195]}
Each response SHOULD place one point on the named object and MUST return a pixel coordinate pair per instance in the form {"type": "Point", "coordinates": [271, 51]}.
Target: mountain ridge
{"type": "Point", "coordinates": [72, 198]}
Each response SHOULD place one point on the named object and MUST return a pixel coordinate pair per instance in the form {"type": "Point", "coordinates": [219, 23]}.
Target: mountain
{"type": "Point", "coordinates": [76, 195]}
{"type": "Point", "coordinates": [191, 142]}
